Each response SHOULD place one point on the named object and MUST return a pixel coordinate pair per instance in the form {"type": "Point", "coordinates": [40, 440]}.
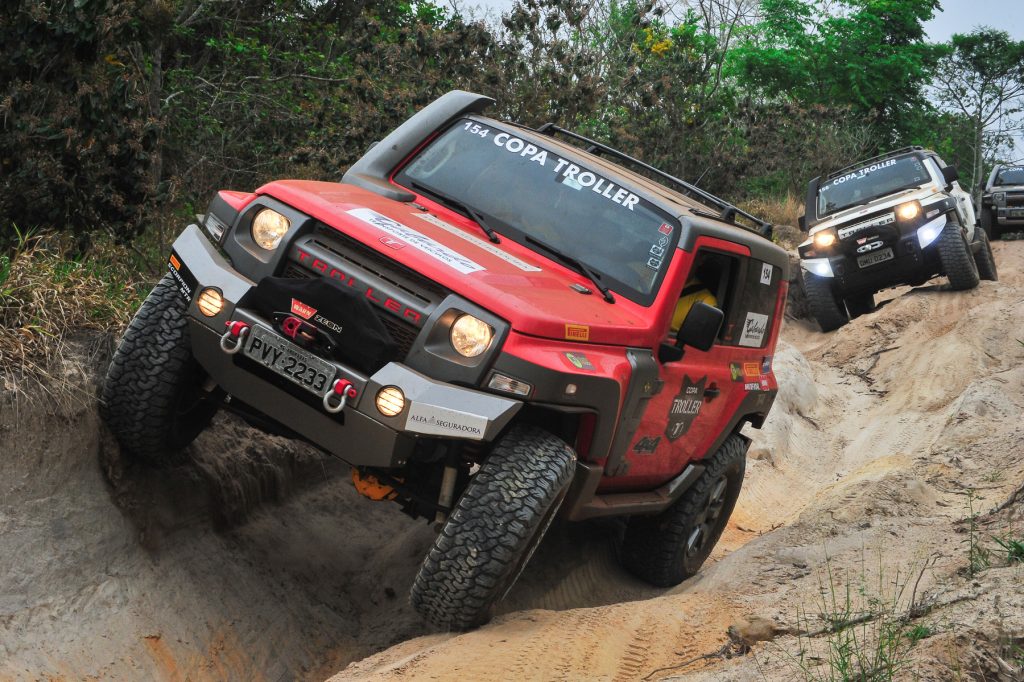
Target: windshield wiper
{"type": "Point", "coordinates": [458, 205]}
{"type": "Point", "coordinates": [579, 265]}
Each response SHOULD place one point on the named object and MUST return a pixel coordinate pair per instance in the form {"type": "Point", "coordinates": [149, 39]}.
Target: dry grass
{"type": "Point", "coordinates": [46, 295]}
{"type": "Point", "coordinates": [777, 211]}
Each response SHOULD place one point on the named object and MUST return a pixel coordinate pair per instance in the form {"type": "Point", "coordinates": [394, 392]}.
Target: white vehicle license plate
{"type": "Point", "coordinates": [869, 259]}
{"type": "Point", "coordinates": [285, 358]}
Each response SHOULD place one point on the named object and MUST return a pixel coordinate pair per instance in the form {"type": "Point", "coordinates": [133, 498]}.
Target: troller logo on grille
{"type": "Point", "coordinates": [302, 310]}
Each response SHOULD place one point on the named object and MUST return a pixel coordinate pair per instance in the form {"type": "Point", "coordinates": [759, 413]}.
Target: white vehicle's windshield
{"type": "Point", "coordinates": [533, 194]}
{"type": "Point", "coordinates": [870, 182]}
{"type": "Point", "coordinates": [1010, 176]}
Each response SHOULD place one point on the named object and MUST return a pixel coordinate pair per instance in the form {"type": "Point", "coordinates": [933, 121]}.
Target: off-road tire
{"type": "Point", "coordinates": [826, 308]}
{"type": "Point", "coordinates": [862, 304]}
{"type": "Point", "coordinates": [957, 259]}
{"type": "Point", "coordinates": [984, 259]}
{"type": "Point", "coordinates": [494, 528]}
{"type": "Point", "coordinates": [988, 224]}
{"type": "Point", "coordinates": [151, 398]}
{"type": "Point", "coordinates": [657, 548]}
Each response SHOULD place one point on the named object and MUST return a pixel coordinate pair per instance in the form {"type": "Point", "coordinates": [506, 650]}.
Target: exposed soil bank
{"type": "Point", "coordinates": [258, 560]}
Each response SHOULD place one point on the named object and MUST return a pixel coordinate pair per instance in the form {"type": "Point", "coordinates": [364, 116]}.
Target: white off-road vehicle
{"type": "Point", "coordinates": [1002, 201]}
{"type": "Point", "coordinates": [896, 219]}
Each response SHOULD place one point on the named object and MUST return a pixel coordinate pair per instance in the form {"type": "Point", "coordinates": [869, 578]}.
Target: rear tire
{"type": "Point", "coordinates": [989, 225]}
{"type": "Point", "coordinates": [825, 306]}
{"type": "Point", "coordinates": [862, 304]}
{"type": "Point", "coordinates": [668, 548]}
{"type": "Point", "coordinates": [152, 399]}
{"type": "Point", "coordinates": [957, 259]}
{"type": "Point", "coordinates": [493, 530]}
{"type": "Point", "coordinates": [984, 259]}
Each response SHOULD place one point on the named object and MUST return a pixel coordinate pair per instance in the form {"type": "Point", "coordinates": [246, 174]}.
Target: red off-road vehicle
{"type": "Point", "coordinates": [481, 320]}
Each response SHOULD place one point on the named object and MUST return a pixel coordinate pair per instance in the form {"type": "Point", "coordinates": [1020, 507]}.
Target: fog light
{"type": "Point", "coordinates": [500, 382]}
{"type": "Point", "coordinates": [210, 302]}
{"type": "Point", "coordinates": [818, 266]}
{"type": "Point", "coordinates": [930, 232]}
{"type": "Point", "coordinates": [390, 401]}
{"type": "Point", "coordinates": [570, 389]}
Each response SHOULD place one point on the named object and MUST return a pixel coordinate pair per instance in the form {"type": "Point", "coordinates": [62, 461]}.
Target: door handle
{"type": "Point", "coordinates": [711, 392]}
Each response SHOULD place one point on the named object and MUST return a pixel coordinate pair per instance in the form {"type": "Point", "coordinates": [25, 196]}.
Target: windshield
{"type": "Point", "coordinates": [1011, 176]}
{"type": "Point", "coordinates": [525, 191]}
{"type": "Point", "coordinates": [870, 182]}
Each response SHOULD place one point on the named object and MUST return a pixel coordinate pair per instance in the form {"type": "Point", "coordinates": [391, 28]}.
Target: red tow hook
{"type": "Point", "coordinates": [231, 341]}
{"type": "Point", "coordinates": [343, 388]}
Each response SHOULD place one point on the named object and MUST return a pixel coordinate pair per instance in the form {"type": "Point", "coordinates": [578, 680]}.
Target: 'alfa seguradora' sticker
{"type": "Point", "coordinates": [441, 421]}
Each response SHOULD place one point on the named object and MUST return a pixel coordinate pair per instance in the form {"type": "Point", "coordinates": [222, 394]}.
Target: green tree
{"type": "Point", "coordinates": [870, 56]}
{"type": "Point", "coordinates": [981, 77]}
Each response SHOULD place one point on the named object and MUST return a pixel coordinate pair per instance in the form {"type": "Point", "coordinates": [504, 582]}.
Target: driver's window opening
{"type": "Point", "coordinates": [710, 282]}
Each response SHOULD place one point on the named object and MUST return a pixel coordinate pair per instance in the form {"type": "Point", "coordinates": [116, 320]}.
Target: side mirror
{"type": "Point", "coordinates": [700, 328]}
{"type": "Point", "coordinates": [802, 222]}
{"type": "Point", "coordinates": [950, 174]}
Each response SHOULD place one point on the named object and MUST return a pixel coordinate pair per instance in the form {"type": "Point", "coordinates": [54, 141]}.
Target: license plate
{"type": "Point", "coordinates": [869, 259]}
{"type": "Point", "coordinates": [1017, 214]}
{"type": "Point", "coordinates": [285, 358]}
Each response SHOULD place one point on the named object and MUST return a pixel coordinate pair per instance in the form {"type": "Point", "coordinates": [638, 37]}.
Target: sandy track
{"type": "Point", "coordinates": [879, 430]}
{"type": "Point", "coordinates": [258, 560]}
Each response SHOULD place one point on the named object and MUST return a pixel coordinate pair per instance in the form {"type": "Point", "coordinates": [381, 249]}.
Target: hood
{"type": "Point", "coordinates": [922, 194]}
{"type": "Point", "coordinates": [518, 284]}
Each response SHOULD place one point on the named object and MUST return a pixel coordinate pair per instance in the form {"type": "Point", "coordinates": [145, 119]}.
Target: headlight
{"type": "Point", "coordinates": [908, 211]}
{"type": "Point", "coordinates": [470, 336]}
{"type": "Point", "coordinates": [824, 239]}
{"type": "Point", "coordinates": [269, 228]}
{"type": "Point", "coordinates": [998, 197]}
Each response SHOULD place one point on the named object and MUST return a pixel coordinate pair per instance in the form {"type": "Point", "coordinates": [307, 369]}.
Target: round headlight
{"type": "Point", "coordinates": [908, 211]}
{"type": "Point", "coordinates": [824, 239]}
{"type": "Point", "coordinates": [269, 228]}
{"type": "Point", "coordinates": [470, 336]}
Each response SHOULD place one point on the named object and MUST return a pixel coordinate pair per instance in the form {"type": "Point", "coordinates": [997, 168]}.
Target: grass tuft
{"type": "Point", "coordinates": [47, 292]}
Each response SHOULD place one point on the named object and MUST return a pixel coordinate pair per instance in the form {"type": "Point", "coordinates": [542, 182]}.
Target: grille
{"type": "Point", "coordinates": [402, 333]}
{"type": "Point", "coordinates": [1015, 199]}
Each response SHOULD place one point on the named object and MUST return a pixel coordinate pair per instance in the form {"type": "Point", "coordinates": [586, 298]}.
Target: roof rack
{"type": "Point", "coordinates": [728, 211]}
{"type": "Point", "coordinates": [863, 162]}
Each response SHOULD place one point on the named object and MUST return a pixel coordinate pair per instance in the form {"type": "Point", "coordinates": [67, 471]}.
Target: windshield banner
{"type": "Point", "coordinates": [860, 173]}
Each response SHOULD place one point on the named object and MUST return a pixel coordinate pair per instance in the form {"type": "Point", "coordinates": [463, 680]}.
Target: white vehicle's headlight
{"type": "Point", "coordinates": [824, 239]}
{"type": "Point", "coordinates": [908, 211]}
{"type": "Point", "coordinates": [269, 228]}
{"type": "Point", "coordinates": [470, 336]}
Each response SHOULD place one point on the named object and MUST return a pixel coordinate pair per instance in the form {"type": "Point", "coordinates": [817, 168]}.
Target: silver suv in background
{"type": "Point", "coordinates": [1002, 201]}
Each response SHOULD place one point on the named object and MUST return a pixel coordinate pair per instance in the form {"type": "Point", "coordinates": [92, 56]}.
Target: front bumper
{"type": "Point", "coordinates": [911, 263]}
{"type": "Point", "coordinates": [359, 434]}
{"type": "Point", "coordinates": [1009, 215]}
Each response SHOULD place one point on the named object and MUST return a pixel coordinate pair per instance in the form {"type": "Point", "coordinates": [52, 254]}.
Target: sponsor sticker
{"type": "Point", "coordinates": [665, 228]}
{"type": "Point", "coordinates": [751, 369]}
{"type": "Point", "coordinates": [441, 421]}
{"type": "Point", "coordinates": [766, 364]}
{"type": "Point", "coordinates": [577, 332]}
{"type": "Point", "coordinates": [647, 445]}
{"type": "Point", "coordinates": [302, 310]}
{"type": "Point", "coordinates": [392, 243]}
{"type": "Point", "coordinates": [418, 241]}
{"type": "Point", "coordinates": [752, 386]}
{"type": "Point", "coordinates": [846, 232]}
{"type": "Point", "coordinates": [685, 407]}
{"type": "Point", "coordinates": [579, 361]}
{"type": "Point", "coordinates": [754, 328]}
{"type": "Point", "coordinates": [736, 371]}
{"type": "Point", "coordinates": [487, 246]}
{"type": "Point", "coordinates": [183, 277]}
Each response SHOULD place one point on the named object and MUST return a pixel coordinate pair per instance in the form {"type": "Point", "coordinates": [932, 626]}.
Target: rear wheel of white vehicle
{"type": "Point", "coordinates": [669, 547]}
{"type": "Point", "coordinates": [862, 304]}
{"type": "Point", "coordinates": [827, 308]}
{"type": "Point", "coordinates": [493, 530]}
{"type": "Point", "coordinates": [957, 259]}
{"type": "Point", "coordinates": [985, 260]}
{"type": "Point", "coordinates": [152, 399]}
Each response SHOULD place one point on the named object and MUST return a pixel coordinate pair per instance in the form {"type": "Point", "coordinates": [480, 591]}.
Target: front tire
{"type": "Point", "coordinates": [984, 259]}
{"type": "Point", "coordinates": [493, 530]}
{"type": "Point", "coordinates": [957, 259]}
{"type": "Point", "coordinates": [826, 307]}
{"type": "Point", "coordinates": [152, 399]}
{"type": "Point", "coordinates": [668, 548]}
{"type": "Point", "coordinates": [862, 304]}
